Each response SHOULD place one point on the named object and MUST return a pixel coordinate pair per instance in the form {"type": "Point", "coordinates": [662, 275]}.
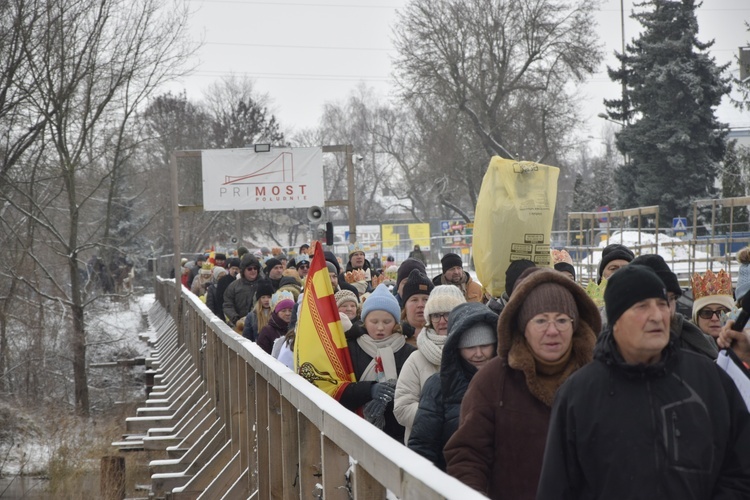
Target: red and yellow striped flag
{"type": "Point", "coordinates": [320, 351]}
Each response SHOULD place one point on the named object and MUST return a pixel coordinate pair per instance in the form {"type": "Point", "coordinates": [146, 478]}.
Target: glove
{"type": "Point", "coordinates": [383, 391]}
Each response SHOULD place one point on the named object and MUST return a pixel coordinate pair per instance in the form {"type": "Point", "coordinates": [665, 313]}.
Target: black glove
{"type": "Point", "coordinates": [383, 391]}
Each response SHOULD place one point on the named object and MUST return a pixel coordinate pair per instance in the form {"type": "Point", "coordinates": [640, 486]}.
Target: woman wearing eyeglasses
{"type": "Point", "coordinates": [426, 360]}
{"type": "Point", "coordinates": [546, 332]}
{"type": "Point", "coordinates": [712, 301]}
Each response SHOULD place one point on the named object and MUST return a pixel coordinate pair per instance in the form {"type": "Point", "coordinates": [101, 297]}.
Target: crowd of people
{"type": "Point", "coordinates": [549, 391]}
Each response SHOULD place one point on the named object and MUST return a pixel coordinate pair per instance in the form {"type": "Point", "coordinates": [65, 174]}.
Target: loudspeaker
{"type": "Point", "coordinates": [233, 240]}
{"type": "Point", "coordinates": [314, 214]}
{"type": "Point", "coordinates": [329, 233]}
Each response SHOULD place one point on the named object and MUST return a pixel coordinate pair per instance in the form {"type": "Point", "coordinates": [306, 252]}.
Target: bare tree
{"type": "Point", "coordinates": [498, 62]}
{"type": "Point", "coordinates": [93, 69]}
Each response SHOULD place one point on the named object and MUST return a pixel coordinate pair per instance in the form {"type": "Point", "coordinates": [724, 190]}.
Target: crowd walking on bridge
{"type": "Point", "coordinates": [549, 391]}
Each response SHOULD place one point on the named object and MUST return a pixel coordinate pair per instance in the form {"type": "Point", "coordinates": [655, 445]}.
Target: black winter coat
{"type": "Point", "coordinates": [357, 394]}
{"type": "Point", "coordinates": [675, 429]}
{"type": "Point", "coordinates": [440, 404]}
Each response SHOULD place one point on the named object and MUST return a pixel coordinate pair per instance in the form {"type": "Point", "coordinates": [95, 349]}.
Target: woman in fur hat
{"type": "Point", "coordinates": [378, 351]}
{"type": "Point", "coordinates": [426, 361]}
{"type": "Point", "coordinates": [545, 333]}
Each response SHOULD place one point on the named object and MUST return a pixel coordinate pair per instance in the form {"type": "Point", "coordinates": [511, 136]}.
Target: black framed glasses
{"type": "Point", "coordinates": [708, 313]}
{"type": "Point", "coordinates": [435, 317]}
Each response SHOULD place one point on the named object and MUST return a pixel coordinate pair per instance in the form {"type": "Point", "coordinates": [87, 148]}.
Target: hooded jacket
{"type": "Point", "coordinates": [692, 338]}
{"type": "Point", "coordinates": [437, 415]}
{"type": "Point", "coordinates": [674, 429]}
{"type": "Point", "coordinates": [499, 445]}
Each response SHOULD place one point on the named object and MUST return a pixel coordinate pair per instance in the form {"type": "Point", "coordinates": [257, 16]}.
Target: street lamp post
{"type": "Point", "coordinates": [606, 117]}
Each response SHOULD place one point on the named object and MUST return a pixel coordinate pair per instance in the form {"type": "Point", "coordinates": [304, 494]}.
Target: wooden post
{"type": "Point", "coordinates": [112, 483]}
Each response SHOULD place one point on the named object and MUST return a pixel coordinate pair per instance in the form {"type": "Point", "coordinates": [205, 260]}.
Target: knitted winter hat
{"type": "Point", "coordinates": [564, 267]}
{"type": "Point", "coordinates": [629, 286]}
{"type": "Point", "coordinates": [547, 298]}
{"type": "Point", "coordinates": [331, 268]}
{"type": "Point", "coordinates": [270, 264]}
{"type": "Point", "coordinates": [443, 299]}
{"type": "Point", "coordinates": [219, 272]}
{"type": "Point", "coordinates": [477, 334]}
{"type": "Point", "coordinates": [451, 260]}
{"type": "Point", "coordinates": [330, 257]}
{"type": "Point", "coordinates": [265, 288]}
{"type": "Point", "coordinates": [416, 283]}
{"type": "Point", "coordinates": [662, 270]}
{"type": "Point", "coordinates": [241, 251]}
{"type": "Point", "coordinates": [282, 300]}
{"type": "Point", "coordinates": [743, 279]}
{"type": "Point", "coordinates": [407, 267]}
{"type": "Point", "coordinates": [615, 251]}
{"type": "Point", "coordinates": [233, 262]}
{"type": "Point", "coordinates": [220, 256]}
{"type": "Point", "coordinates": [381, 300]}
{"type": "Point", "coordinates": [514, 271]}
{"type": "Point", "coordinates": [343, 296]}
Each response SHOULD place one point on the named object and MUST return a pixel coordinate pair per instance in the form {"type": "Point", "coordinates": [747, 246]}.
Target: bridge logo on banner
{"type": "Point", "coordinates": [241, 179]}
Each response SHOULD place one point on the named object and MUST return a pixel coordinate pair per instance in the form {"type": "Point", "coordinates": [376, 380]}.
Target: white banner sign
{"type": "Point", "coordinates": [241, 179]}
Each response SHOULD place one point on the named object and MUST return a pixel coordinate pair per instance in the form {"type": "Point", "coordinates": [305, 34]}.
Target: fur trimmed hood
{"type": "Point", "coordinates": [589, 319]}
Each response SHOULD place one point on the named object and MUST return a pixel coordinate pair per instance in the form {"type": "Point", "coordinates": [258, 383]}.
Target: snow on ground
{"type": "Point", "coordinates": [28, 443]}
{"type": "Point", "coordinates": [676, 252]}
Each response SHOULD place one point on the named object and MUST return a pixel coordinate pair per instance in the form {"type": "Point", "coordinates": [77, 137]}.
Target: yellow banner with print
{"type": "Point", "coordinates": [514, 214]}
{"type": "Point", "coordinates": [404, 236]}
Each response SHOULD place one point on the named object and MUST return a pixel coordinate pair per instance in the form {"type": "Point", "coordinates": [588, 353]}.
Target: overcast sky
{"type": "Point", "coordinates": [304, 53]}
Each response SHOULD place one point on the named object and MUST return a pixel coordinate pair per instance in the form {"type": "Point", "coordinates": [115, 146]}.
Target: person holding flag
{"type": "Point", "coordinates": [379, 350]}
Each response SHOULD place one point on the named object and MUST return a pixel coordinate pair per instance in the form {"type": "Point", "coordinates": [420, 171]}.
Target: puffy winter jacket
{"type": "Point", "coordinates": [439, 407]}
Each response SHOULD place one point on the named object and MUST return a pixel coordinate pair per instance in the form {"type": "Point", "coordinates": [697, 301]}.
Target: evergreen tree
{"type": "Point", "coordinates": [734, 181]}
{"type": "Point", "coordinates": [670, 136]}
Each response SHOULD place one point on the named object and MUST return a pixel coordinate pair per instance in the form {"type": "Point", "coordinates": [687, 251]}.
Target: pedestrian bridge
{"type": "Point", "coordinates": [233, 423]}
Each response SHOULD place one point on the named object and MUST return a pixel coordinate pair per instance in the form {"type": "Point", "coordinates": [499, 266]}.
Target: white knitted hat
{"type": "Point", "coordinates": [443, 299]}
{"type": "Point", "coordinates": [343, 296]}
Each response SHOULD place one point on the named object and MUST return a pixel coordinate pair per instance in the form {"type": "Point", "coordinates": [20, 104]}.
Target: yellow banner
{"type": "Point", "coordinates": [403, 237]}
{"type": "Point", "coordinates": [514, 215]}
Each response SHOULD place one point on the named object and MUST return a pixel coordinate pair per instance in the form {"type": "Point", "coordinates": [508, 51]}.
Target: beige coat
{"type": "Point", "coordinates": [411, 380]}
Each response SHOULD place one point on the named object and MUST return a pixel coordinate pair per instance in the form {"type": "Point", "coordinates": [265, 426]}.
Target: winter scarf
{"type": "Point", "coordinates": [430, 344]}
{"type": "Point", "coordinates": [384, 349]}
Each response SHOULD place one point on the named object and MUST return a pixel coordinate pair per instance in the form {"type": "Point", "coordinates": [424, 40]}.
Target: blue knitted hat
{"type": "Point", "coordinates": [381, 300]}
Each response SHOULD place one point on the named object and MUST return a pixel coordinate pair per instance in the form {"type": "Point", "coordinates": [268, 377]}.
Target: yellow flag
{"type": "Point", "coordinates": [321, 354]}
